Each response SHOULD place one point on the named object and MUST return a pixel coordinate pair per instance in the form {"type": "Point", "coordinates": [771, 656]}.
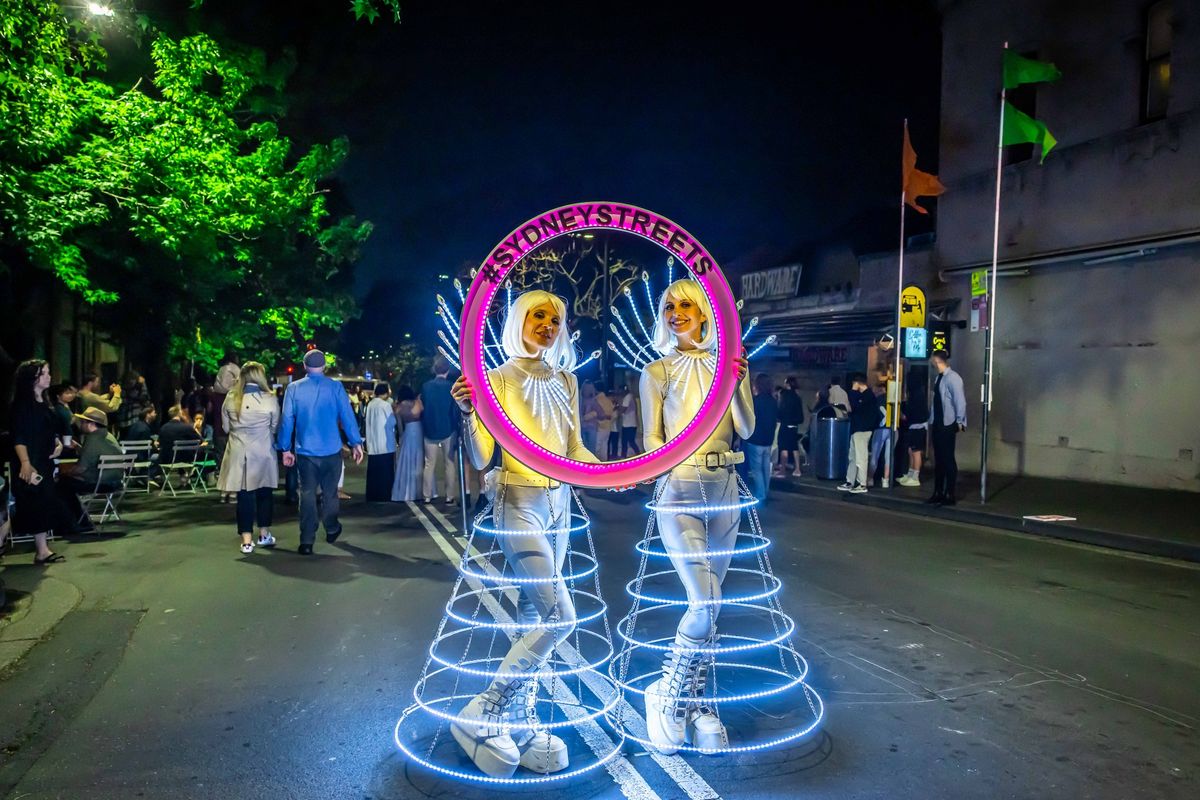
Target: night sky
{"type": "Point", "coordinates": [756, 131]}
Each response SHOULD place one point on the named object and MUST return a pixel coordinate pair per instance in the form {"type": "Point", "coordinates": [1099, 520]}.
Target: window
{"type": "Point", "coordinates": [1156, 69]}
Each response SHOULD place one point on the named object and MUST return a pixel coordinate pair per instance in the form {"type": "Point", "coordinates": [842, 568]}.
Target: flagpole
{"type": "Point", "coordinates": [899, 343]}
{"type": "Point", "coordinates": [989, 335]}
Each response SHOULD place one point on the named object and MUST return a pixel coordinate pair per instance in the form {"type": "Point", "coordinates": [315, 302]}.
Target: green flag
{"type": "Point", "coordinates": [1018, 70]}
{"type": "Point", "coordinates": [1020, 128]}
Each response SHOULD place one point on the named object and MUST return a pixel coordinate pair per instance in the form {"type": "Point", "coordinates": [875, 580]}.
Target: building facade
{"type": "Point", "coordinates": [1098, 303]}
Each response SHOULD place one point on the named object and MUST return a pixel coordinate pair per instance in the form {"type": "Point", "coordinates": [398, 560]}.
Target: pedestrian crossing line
{"type": "Point", "coordinates": [628, 779]}
{"type": "Point", "coordinates": [675, 766]}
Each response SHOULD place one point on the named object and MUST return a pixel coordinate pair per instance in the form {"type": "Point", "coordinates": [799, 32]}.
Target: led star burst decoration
{"type": "Point", "coordinates": [751, 671]}
{"type": "Point", "coordinates": [480, 622]}
{"type": "Point", "coordinates": [637, 350]}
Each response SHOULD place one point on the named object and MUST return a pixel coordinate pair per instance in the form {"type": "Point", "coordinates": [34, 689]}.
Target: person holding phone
{"type": "Point", "coordinates": [35, 446]}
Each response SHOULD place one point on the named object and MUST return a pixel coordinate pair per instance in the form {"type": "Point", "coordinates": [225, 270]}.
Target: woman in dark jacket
{"type": "Point", "coordinates": [35, 445]}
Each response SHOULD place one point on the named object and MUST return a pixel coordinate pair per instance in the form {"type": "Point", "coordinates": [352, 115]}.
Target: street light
{"type": "Point", "coordinates": [97, 10]}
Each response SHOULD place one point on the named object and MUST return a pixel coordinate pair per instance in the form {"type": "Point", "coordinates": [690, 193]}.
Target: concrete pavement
{"type": "Point", "coordinates": [957, 661]}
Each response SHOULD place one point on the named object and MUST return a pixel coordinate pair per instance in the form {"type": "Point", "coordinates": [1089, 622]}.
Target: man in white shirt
{"type": "Point", "coordinates": [381, 445]}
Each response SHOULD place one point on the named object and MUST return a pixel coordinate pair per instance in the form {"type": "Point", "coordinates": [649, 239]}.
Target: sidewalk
{"type": "Point", "coordinates": [1154, 522]}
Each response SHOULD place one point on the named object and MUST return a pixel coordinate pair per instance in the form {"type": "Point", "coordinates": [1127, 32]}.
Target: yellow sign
{"type": "Point", "coordinates": [912, 308]}
{"type": "Point", "coordinates": [979, 282]}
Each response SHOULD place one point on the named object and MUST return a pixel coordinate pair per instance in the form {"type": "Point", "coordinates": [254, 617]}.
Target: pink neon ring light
{"type": "Point", "coordinates": [600, 216]}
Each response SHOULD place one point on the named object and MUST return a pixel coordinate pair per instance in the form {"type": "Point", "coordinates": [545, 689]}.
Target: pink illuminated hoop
{"type": "Point", "coordinates": [600, 216]}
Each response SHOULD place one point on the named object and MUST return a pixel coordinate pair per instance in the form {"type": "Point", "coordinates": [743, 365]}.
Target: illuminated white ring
{"type": "Point", "coordinates": [487, 577]}
{"type": "Point", "coordinates": [647, 678]}
{"type": "Point", "coordinates": [464, 667]}
{"type": "Point", "coordinates": [775, 587]}
{"type": "Point", "coordinates": [593, 712]}
{"type": "Point", "coordinates": [618, 722]}
{"type": "Point", "coordinates": [789, 627]}
{"type": "Point", "coordinates": [760, 543]}
{"type": "Point", "coordinates": [522, 626]}
{"type": "Point", "coordinates": [478, 777]}
{"type": "Point", "coordinates": [481, 527]}
{"type": "Point", "coordinates": [698, 509]}
{"type": "Point", "coordinates": [600, 216]}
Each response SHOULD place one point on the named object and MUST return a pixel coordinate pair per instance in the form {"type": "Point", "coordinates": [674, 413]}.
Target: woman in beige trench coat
{"type": "Point", "coordinates": [251, 415]}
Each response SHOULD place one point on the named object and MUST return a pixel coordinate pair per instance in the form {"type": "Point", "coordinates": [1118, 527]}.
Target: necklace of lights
{"type": "Point", "coordinates": [545, 393]}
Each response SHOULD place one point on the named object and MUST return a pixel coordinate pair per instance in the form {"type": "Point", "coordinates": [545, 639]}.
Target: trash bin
{"type": "Point", "coordinates": [830, 439]}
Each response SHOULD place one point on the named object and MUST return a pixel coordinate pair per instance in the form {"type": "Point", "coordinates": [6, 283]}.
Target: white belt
{"type": "Point", "coordinates": [510, 478]}
{"type": "Point", "coordinates": [716, 459]}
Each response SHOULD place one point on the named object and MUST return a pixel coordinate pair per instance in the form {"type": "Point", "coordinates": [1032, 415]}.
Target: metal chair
{"type": "Point", "coordinates": [182, 465]}
{"type": "Point", "coordinates": [111, 476]}
{"type": "Point", "coordinates": [139, 477]}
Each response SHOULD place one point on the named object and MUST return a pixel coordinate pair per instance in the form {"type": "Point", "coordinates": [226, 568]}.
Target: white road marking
{"type": "Point", "coordinates": [680, 770]}
{"type": "Point", "coordinates": [630, 781]}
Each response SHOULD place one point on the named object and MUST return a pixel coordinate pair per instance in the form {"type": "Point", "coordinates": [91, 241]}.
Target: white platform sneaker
{"type": "Point", "coordinates": [667, 713]}
{"type": "Point", "coordinates": [483, 733]}
{"type": "Point", "coordinates": [541, 751]}
{"type": "Point", "coordinates": [705, 731]}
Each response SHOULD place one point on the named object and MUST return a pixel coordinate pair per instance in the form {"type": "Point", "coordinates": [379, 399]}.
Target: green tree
{"type": "Point", "coordinates": [175, 206]}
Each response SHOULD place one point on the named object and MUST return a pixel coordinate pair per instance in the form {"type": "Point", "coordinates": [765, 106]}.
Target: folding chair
{"type": "Point", "coordinates": [205, 461]}
{"type": "Point", "coordinates": [139, 476]}
{"type": "Point", "coordinates": [180, 473]}
{"type": "Point", "coordinates": [111, 477]}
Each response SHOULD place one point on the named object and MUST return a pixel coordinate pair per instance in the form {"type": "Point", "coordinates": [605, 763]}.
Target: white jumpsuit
{"type": "Point", "coordinates": [544, 405]}
{"type": "Point", "coordinates": [672, 390]}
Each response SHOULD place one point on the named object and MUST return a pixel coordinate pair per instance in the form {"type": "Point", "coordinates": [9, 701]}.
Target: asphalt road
{"type": "Point", "coordinates": [955, 661]}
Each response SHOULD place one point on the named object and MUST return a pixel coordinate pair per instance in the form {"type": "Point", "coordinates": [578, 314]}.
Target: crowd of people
{"type": "Point", "coordinates": [251, 432]}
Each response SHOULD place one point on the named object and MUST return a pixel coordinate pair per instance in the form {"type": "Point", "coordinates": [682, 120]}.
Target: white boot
{"type": "Point", "coordinates": [485, 739]}
{"type": "Point", "coordinates": [541, 751]}
{"type": "Point", "coordinates": [705, 731]}
{"type": "Point", "coordinates": [666, 712]}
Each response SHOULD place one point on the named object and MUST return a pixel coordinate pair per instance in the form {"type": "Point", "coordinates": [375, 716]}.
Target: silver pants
{"type": "Point", "coordinates": [538, 555]}
{"type": "Point", "coordinates": [689, 536]}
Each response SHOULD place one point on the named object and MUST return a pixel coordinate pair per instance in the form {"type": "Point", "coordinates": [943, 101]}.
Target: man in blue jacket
{"type": "Point", "coordinates": [314, 408]}
{"type": "Point", "coordinates": [947, 417]}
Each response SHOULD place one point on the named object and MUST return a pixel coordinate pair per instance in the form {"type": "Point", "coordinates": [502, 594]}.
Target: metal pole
{"type": "Point", "coordinates": [899, 343]}
{"type": "Point", "coordinates": [988, 339]}
{"type": "Point", "coordinates": [462, 485]}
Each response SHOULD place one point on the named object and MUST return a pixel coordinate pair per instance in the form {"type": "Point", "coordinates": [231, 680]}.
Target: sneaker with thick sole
{"type": "Point", "coordinates": [885, 484]}
{"type": "Point", "coordinates": [247, 547]}
{"type": "Point", "coordinates": [304, 549]}
{"type": "Point", "coordinates": [266, 540]}
{"type": "Point", "coordinates": [858, 489]}
{"type": "Point", "coordinates": [845, 487]}
{"type": "Point", "coordinates": [905, 480]}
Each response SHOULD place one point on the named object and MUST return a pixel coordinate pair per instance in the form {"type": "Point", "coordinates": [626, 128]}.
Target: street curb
{"type": "Point", "coordinates": [49, 600]}
{"type": "Point", "coordinates": [1180, 551]}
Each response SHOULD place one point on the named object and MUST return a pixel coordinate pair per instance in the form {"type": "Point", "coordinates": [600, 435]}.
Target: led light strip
{"type": "Point", "coordinates": [789, 627]}
{"type": "Point", "coordinates": [760, 543]}
{"type": "Point", "coordinates": [774, 585]}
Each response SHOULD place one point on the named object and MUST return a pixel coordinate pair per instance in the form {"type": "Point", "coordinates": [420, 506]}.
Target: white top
{"type": "Point", "coordinates": [674, 387]}
{"type": "Point", "coordinates": [542, 403]}
{"type": "Point", "coordinates": [838, 397]}
{"type": "Point", "coordinates": [629, 415]}
{"type": "Point", "coordinates": [381, 427]}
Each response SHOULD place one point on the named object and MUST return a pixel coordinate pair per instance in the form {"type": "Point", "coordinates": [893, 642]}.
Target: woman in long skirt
{"type": "Point", "coordinates": [410, 455]}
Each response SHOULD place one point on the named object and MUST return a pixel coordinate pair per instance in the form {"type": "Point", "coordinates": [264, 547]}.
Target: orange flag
{"type": "Point", "coordinates": [917, 183]}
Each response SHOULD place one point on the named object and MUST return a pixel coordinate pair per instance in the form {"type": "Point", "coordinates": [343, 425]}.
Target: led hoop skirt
{"type": "Point", "coordinates": [573, 219]}
{"type": "Point", "coordinates": [757, 681]}
{"type": "Point", "coordinates": [575, 695]}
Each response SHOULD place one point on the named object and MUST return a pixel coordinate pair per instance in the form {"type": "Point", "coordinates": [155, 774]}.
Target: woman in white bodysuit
{"type": "Point", "coordinates": [540, 395]}
{"type": "Point", "coordinates": [673, 388]}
